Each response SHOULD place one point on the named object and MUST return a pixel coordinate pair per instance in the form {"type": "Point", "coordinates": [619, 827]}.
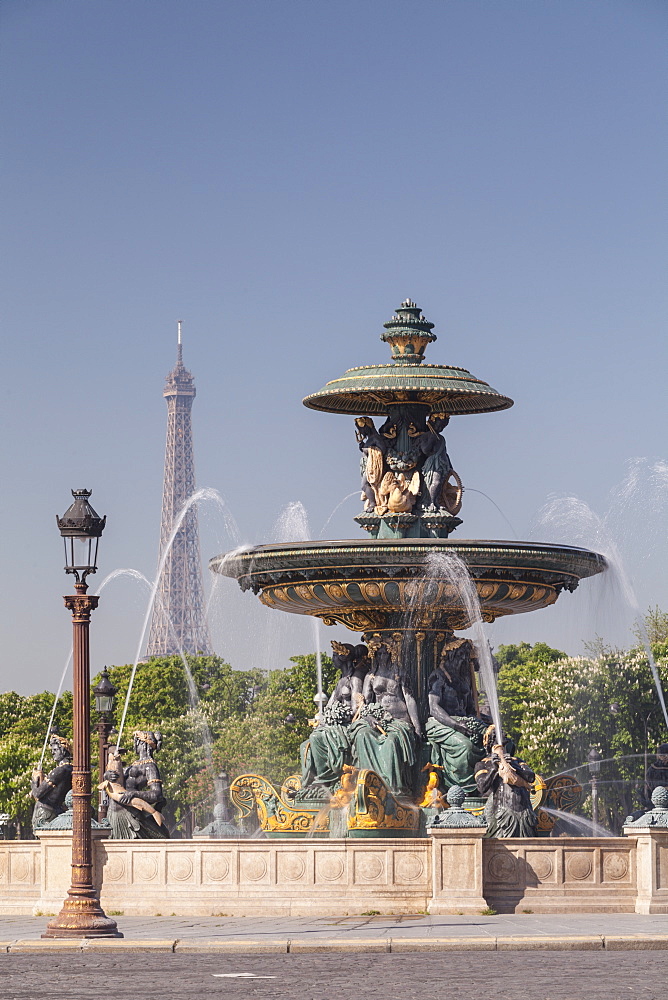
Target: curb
{"type": "Point", "coordinates": [303, 946]}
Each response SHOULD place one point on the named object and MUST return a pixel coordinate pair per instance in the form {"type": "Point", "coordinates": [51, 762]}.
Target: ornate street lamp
{"type": "Point", "coordinates": [104, 692]}
{"type": "Point", "coordinates": [594, 763]}
{"type": "Point", "coordinates": [81, 915]}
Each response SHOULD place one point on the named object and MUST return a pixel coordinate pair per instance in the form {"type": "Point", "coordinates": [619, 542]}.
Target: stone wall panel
{"type": "Point", "coordinates": [331, 867]}
{"type": "Point", "coordinates": [370, 867]}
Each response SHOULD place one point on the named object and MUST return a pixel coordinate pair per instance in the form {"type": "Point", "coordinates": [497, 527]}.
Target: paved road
{"type": "Point", "coordinates": [464, 976]}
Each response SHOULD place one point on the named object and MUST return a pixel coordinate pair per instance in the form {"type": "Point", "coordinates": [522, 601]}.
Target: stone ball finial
{"type": "Point", "coordinates": [455, 796]}
{"type": "Point", "coordinates": [660, 797]}
{"type": "Point", "coordinates": [69, 801]}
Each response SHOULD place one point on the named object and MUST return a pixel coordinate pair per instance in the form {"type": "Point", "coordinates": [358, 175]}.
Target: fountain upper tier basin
{"type": "Point", "coordinates": [376, 584]}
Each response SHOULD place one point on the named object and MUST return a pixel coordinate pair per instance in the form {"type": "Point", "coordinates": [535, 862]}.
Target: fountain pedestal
{"type": "Point", "coordinates": [457, 871]}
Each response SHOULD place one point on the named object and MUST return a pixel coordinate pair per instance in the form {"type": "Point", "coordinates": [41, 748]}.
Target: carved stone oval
{"type": "Point", "coordinates": [368, 867]}
{"type": "Point", "coordinates": [408, 867]}
{"type": "Point", "coordinates": [3, 867]}
{"type": "Point", "coordinates": [253, 867]}
{"type": "Point", "coordinates": [292, 867]}
{"type": "Point", "coordinates": [330, 867]}
{"type": "Point", "coordinates": [146, 867]}
{"type": "Point", "coordinates": [579, 866]}
{"type": "Point", "coordinates": [20, 868]}
{"type": "Point", "coordinates": [114, 868]}
{"type": "Point", "coordinates": [180, 867]}
{"type": "Point", "coordinates": [502, 867]}
{"type": "Point", "coordinates": [541, 865]}
{"type": "Point", "coordinates": [615, 866]}
{"type": "Point", "coordinates": [216, 868]}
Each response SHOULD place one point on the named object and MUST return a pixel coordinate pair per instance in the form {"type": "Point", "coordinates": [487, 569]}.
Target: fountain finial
{"type": "Point", "coordinates": [408, 333]}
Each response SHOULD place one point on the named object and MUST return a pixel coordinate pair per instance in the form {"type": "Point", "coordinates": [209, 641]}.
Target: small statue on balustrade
{"type": "Point", "coordinates": [219, 827]}
{"type": "Point", "coordinates": [65, 820]}
{"type": "Point", "coordinates": [657, 816]}
{"type": "Point", "coordinates": [507, 781]}
{"type": "Point", "coordinates": [136, 798]}
{"type": "Point", "coordinates": [49, 790]}
{"type": "Point", "coordinates": [456, 817]}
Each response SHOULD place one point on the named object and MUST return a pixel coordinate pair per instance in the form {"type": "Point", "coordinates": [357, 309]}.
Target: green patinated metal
{"type": "Point", "coordinates": [372, 389]}
{"type": "Point", "coordinates": [407, 586]}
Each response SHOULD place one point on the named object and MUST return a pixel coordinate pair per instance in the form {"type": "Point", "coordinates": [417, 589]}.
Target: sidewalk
{"type": "Point", "coordinates": [298, 935]}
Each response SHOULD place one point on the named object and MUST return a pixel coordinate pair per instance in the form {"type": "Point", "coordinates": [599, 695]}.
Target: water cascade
{"type": "Point", "coordinates": [574, 516]}
{"type": "Point", "coordinates": [203, 495]}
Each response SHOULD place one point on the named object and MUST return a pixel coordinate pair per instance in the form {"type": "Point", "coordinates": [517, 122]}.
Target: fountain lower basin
{"type": "Point", "coordinates": [368, 584]}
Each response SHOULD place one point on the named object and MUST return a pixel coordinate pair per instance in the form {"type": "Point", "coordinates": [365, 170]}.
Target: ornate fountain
{"type": "Point", "coordinates": [397, 589]}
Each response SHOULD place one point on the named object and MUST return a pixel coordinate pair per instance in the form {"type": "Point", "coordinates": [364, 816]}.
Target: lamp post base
{"type": "Point", "coordinates": [82, 917]}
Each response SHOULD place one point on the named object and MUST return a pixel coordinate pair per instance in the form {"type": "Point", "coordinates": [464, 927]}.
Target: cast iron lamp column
{"type": "Point", "coordinates": [594, 762]}
{"type": "Point", "coordinates": [104, 692]}
{"type": "Point", "coordinates": [81, 915]}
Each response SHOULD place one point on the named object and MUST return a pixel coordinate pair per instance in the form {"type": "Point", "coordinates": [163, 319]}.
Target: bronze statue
{"type": "Point", "coordinates": [49, 790]}
{"type": "Point", "coordinates": [397, 494]}
{"type": "Point", "coordinates": [327, 750]}
{"type": "Point", "coordinates": [372, 462]}
{"type": "Point", "coordinates": [135, 793]}
{"type": "Point", "coordinates": [436, 464]}
{"type": "Point", "coordinates": [386, 730]}
{"type": "Point", "coordinates": [507, 781]}
{"type": "Point", "coordinates": [454, 728]}
{"type": "Point", "coordinates": [354, 664]}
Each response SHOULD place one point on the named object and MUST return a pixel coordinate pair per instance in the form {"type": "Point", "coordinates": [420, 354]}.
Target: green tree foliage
{"type": "Point", "coordinates": [557, 709]}
{"type": "Point", "coordinates": [655, 627]}
{"type": "Point", "coordinates": [218, 719]}
{"type": "Point", "coordinates": [221, 720]}
{"type": "Point", "coordinates": [519, 664]}
{"type": "Point", "coordinates": [264, 738]}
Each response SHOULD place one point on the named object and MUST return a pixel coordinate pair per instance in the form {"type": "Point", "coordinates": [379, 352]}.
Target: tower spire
{"type": "Point", "coordinates": [179, 622]}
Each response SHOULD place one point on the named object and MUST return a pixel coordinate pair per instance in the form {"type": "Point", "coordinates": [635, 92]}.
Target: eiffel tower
{"type": "Point", "coordinates": [179, 622]}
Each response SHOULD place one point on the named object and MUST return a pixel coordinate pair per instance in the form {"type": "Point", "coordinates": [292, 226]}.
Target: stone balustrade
{"type": "Point", "coordinates": [452, 871]}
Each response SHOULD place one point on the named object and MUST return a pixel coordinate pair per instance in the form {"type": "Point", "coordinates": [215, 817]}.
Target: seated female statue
{"type": "Point", "coordinates": [327, 749]}
{"type": "Point", "coordinates": [386, 732]}
{"type": "Point", "coordinates": [454, 729]}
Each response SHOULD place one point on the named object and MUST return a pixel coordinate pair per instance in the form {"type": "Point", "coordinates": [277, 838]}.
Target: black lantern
{"type": "Point", "coordinates": [104, 692]}
{"type": "Point", "coordinates": [80, 528]}
{"type": "Point", "coordinates": [594, 761]}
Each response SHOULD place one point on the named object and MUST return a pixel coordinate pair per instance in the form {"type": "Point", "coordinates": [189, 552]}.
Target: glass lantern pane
{"type": "Point", "coordinates": [81, 551]}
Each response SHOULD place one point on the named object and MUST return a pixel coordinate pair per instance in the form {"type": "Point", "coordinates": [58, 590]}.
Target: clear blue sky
{"type": "Point", "coordinates": [280, 175]}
